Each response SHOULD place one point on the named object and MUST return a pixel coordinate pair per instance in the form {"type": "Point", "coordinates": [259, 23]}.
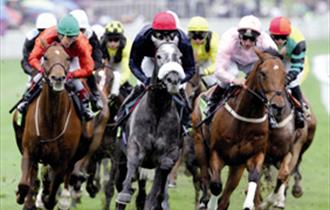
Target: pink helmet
{"type": "Point", "coordinates": [164, 21]}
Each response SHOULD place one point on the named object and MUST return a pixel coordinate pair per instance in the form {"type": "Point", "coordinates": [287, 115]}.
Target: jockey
{"type": "Point", "coordinates": [205, 47]}
{"type": "Point", "coordinates": [86, 29]}
{"type": "Point", "coordinates": [116, 49]}
{"type": "Point", "coordinates": [163, 29]}
{"type": "Point", "coordinates": [236, 53]}
{"type": "Point", "coordinates": [76, 45]}
{"type": "Point", "coordinates": [44, 20]}
{"type": "Point", "coordinates": [292, 46]}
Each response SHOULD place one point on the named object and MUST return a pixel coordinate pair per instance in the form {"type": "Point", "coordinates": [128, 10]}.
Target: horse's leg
{"type": "Point", "coordinates": [91, 187]}
{"type": "Point", "coordinates": [133, 161]}
{"type": "Point", "coordinates": [105, 162]}
{"type": "Point", "coordinates": [196, 180]}
{"type": "Point", "coordinates": [216, 165]}
{"type": "Point", "coordinates": [30, 198]}
{"type": "Point", "coordinates": [254, 165]}
{"type": "Point", "coordinates": [65, 200]}
{"type": "Point", "coordinates": [58, 175]}
{"type": "Point", "coordinates": [203, 163]}
{"type": "Point", "coordinates": [141, 197]}
{"type": "Point", "coordinates": [24, 185]}
{"type": "Point", "coordinates": [44, 191]}
{"type": "Point", "coordinates": [174, 172]}
{"type": "Point", "coordinates": [156, 194]}
{"type": "Point", "coordinates": [234, 176]}
{"type": "Point", "coordinates": [277, 197]}
{"type": "Point", "coordinates": [109, 187]}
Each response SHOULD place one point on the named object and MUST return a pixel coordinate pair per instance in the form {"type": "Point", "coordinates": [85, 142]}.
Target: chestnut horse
{"type": "Point", "coordinates": [239, 130]}
{"type": "Point", "coordinates": [52, 130]}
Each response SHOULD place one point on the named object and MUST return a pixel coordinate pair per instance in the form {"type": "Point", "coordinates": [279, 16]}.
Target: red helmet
{"type": "Point", "coordinates": [164, 21]}
{"type": "Point", "coordinates": [280, 26]}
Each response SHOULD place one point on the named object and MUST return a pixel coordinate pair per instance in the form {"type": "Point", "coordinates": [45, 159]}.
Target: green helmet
{"type": "Point", "coordinates": [68, 26]}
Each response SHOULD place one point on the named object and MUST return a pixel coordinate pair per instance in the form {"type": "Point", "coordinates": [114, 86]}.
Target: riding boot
{"type": "Point", "coordinates": [28, 95]}
{"type": "Point", "coordinates": [87, 113]}
{"type": "Point", "coordinates": [214, 100]}
{"type": "Point", "coordinates": [96, 99]}
{"type": "Point", "coordinates": [124, 109]}
{"type": "Point", "coordinates": [299, 112]}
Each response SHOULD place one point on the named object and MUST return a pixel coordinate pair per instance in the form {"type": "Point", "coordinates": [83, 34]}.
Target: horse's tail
{"type": "Point", "coordinates": [18, 128]}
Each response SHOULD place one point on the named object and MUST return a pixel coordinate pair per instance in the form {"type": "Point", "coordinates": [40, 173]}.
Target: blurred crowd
{"type": "Point", "coordinates": [15, 13]}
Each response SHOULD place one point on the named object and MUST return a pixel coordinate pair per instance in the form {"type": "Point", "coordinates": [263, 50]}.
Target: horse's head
{"type": "Point", "coordinates": [56, 64]}
{"type": "Point", "coordinates": [168, 67]}
{"type": "Point", "coordinates": [269, 77]}
{"type": "Point", "coordinates": [104, 79]}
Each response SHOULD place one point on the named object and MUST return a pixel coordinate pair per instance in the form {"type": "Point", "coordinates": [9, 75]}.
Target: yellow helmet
{"type": "Point", "coordinates": [114, 27]}
{"type": "Point", "coordinates": [198, 24]}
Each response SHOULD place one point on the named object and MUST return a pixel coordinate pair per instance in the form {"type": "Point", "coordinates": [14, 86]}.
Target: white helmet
{"type": "Point", "coordinates": [46, 20]}
{"type": "Point", "coordinates": [99, 30]}
{"type": "Point", "coordinates": [81, 17]}
{"type": "Point", "coordinates": [176, 17]}
{"type": "Point", "coordinates": [250, 22]}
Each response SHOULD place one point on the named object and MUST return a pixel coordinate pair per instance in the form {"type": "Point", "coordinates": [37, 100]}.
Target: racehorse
{"type": "Point", "coordinates": [52, 130]}
{"type": "Point", "coordinates": [239, 129]}
{"type": "Point", "coordinates": [153, 128]}
{"type": "Point", "coordinates": [286, 147]}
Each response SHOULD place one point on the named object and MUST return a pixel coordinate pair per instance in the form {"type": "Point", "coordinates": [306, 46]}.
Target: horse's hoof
{"type": "Point", "coordinates": [202, 206]}
{"type": "Point", "coordinates": [297, 191]}
{"type": "Point", "coordinates": [48, 203]}
{"type": "Point", "coordinates": [124, 198]}
{"type": "Point", "coordinates": [30, 208]}
{"type": "Point", "coordinates": [92, 190]}
{"type": "Point", "coordinates": [216, 188]}
{"type": "Point", "coordinates": [21, 193]}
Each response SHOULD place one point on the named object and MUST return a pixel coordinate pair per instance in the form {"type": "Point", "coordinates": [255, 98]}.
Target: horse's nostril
{"type": "Point", "coordinates": [53, 77]}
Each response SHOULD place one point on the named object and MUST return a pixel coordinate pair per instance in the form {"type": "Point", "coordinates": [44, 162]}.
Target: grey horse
{"type": "Point", "coordinates": [153, 128]}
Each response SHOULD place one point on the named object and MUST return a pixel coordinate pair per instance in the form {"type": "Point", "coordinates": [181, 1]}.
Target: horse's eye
{"type": "Point", "coordinates": [159, 57]}
{"type": "Point", "coordinates": [263, 75]}
{"type": "Point", "coordinates": [45, 58]}
{"type": "Point", "coordinates": [68, 59]}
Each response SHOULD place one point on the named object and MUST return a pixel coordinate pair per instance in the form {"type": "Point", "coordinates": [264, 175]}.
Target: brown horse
{"type": "Point", "coordinates": [52, 130]}
{"type": "Point", "coordinates": [286, 147]}
{"type": "Point", "coordinates": [239, 130]}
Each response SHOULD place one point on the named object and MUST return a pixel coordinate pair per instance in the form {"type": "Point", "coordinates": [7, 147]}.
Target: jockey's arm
{"type": "Point", "coordinates": [97, 53]}
{"type": "Point", "coordinates": [135, 60]}
{"type": "Point", "coordinates": [125, 71]}
{"type": "Point", "coordinates": [297, 58]}
{"type": "Point", "coordinates": [222, 65]}
{"type": "Point", "coordinates": [86, 63]}
{"type": "Point", "coordinates": [188, 61]}
{"type": "Point", "coordinates": [27, 48]}
{"type": "Point", "coordinates": [36, 54]}
{"type": "Point", "coordinates": [213, 54]}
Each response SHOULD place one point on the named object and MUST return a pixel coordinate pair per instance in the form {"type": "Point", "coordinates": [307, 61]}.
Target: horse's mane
{"type": "Point", "coordinates": [273, 52]}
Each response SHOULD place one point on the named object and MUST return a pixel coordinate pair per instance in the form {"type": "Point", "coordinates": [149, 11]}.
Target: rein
{"type": "Point", "coordinates": [36, 117]}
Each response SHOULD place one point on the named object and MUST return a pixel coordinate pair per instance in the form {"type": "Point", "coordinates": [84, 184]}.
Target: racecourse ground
{"type": "Point", "coordinates": [315, 166]}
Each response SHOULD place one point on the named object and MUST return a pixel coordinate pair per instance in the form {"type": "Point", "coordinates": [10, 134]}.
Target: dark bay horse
{"type": "Point", "coordinates": [239, 130]}
{"type": "Point", "coordinates": [286, 147]}
{"type": "Point", "coordinates": [52, 130]}
{"type": "Point", "coordinates": [153, 128]}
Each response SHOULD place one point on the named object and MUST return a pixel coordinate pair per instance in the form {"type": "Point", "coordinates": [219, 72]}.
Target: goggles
{"type": "Point", "coordinates": [161, 35]}
{"type": "Point", "coordinates": [280, 37]}
{"type": "Point", "coordinates": [198, 35]}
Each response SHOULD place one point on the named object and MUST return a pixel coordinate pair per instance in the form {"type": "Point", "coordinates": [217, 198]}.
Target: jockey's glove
{"type": "Point", "coordinates": [69, 76]}
{"type": "Point", "coordinates": [290, 76]}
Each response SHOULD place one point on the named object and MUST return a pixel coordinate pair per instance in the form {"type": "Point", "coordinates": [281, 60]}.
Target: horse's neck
{"type": "Point", "coordinates": [53, 108]}
{"type": "Point", "coordinates": [159, 100]}
{"type": "Point", "coordinates": [249, 105]}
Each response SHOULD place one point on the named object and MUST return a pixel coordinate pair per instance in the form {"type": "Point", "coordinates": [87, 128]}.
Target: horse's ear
{"type": "Point", "coordinates": [44, 44]}
{"type": "Point", "coordinates": [259, 53]}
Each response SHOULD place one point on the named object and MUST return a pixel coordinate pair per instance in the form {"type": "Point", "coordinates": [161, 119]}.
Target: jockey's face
{"type": "Point", "coordinates": [113, 42]}
{"type": "Point", "coordinates": [67, 41]}
{"type": "Point", "coordinates": [159, 37]}
{"type": "Point", "coordinates": [198, 37]}
{"type": "Point", "coordinates": [247, 41]}
{"type": "Point", "coordinates": [280, 40]}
